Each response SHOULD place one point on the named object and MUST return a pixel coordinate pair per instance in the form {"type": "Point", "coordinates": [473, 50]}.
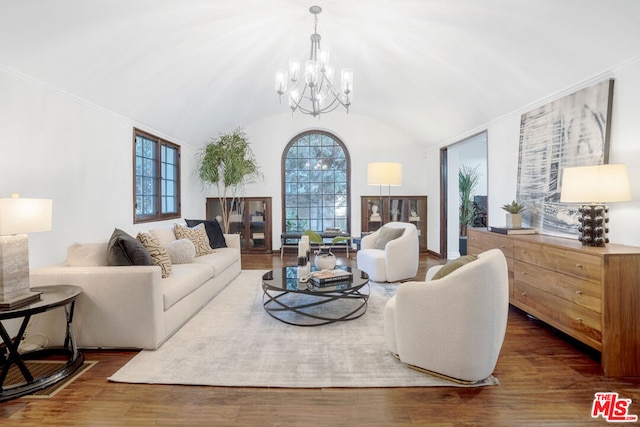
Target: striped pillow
{"type": "Point", "coordinates": [159, 254]}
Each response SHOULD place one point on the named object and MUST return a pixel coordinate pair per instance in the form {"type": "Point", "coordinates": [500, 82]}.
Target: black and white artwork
{"type": "Point", "coordinates": [571, 131]}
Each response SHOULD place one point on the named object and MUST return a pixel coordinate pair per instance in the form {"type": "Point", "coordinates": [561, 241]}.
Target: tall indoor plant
{"type": "Point", "coordinates": [228, 163]}
{"type": "Point", "coordinates": [467, 182]}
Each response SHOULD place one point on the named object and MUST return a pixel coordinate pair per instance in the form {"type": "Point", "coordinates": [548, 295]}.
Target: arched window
{"type": "Point", "coordinates": [316, 175]}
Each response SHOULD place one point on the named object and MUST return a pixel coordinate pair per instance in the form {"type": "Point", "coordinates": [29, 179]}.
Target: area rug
{"type": "Point", "coordinates": [234, 342]}
{"type": "Point", "coordinates": [42, 368]}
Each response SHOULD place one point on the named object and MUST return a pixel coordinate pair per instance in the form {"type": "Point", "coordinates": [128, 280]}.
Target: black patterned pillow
{"type": "Point", "coordinates": [159, 254]}
{"type": "Point", "coordinates": [197, 235]}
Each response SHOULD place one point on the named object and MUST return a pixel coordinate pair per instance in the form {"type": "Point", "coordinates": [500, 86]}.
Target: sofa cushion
{"type": "Point", "coordinates": [87, 255]}
{"type": "Point", "coordinates": [453, 265]}
{"type": "Point", "coordinates": [124, 249]}
{"type": "Point", "coordinates": [197, 235]}
{"type": "Point", "coordinates": [185, 279]}
{"type": "Point", "coordinates": [164, 235]}
{"type": "Point", "coordinates": [157, 252]}
{"type": "Point", "coordinates": [386, 235]}
{"type": "Point", "coordinates": [220, 260]}
{"type": "Point", "coordinates": [213, 229]}
{"type": "Point", "coordinates": [181, 251]}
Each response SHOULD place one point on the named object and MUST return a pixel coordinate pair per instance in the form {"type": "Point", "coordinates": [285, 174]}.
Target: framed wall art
{"type": "Point", "coordinates": [571, 131]}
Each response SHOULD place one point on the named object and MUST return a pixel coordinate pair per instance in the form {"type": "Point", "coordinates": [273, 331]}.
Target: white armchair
{"type": "Point", "coordinates": [453, 326]}
{"type": "Point", "coordinates": [394, 261]}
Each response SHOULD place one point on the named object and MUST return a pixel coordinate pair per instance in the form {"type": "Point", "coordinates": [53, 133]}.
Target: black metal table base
{"type": "Point", "coordinates": [275, 304]}
{"type": "Point", "coordinates": [72, 357]}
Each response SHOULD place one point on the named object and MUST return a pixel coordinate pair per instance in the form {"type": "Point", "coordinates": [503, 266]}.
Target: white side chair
{"type": "Point", "coordinates": [453, 326]}
{"type": "Point", "coordinates": [395, 261]}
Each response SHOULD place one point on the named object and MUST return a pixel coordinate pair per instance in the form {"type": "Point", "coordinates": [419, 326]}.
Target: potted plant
{"type": "Point", "coordinates": [467, 182]}
{"type": "Point", "coordinates": [514, 214]}
{"type": "Point", "coordinates": [228, 163]}
{"type": "Point", "coordinates": [325, 259]}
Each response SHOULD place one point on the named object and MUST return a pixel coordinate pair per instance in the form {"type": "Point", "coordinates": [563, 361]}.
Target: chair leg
{"type": "Point", "coordinates": [442, 376]}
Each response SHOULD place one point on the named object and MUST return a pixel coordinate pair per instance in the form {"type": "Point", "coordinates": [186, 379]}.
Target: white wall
{"type": "Point", "coordinates": [56, 146]}
{"type": "Point", "coordinates": [503, 144]}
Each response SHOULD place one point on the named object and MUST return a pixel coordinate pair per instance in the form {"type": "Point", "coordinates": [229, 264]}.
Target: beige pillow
{"type": "Point", "coordinates": [198, 235]}
{"type": "Point", "coordinates": [386, 235]}
{"type": "Point", "coordinates": [87, 255]}
{"type": "Point", "coordinates": [158, 253]}
{"type": "Point", "coordinates": [453, 265]}
{"type": "Point", "coordinates": [164, 235]}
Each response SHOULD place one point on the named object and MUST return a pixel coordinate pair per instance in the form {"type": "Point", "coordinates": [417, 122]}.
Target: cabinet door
{"type": "Point", "coordinates": [256, 216]}
{"type": "Point", "coordinates": [372, 213]}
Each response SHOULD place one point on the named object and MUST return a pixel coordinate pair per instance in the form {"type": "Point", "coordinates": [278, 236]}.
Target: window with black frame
{"type": "Point", "coordinates": [316, 183]}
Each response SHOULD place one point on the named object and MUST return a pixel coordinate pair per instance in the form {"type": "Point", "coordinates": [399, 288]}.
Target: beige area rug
{"type": "Point", "coordinates": [234, 342]}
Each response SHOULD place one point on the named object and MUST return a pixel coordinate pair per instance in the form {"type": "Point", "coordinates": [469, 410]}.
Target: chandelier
{"type": "Point", "coordinates": [315, 92]}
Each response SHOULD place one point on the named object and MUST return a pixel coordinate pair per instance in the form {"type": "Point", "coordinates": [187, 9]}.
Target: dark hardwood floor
{"type": "Point", "coordinates": [545, 379]}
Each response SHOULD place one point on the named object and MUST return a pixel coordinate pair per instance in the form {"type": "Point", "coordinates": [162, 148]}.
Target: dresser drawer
{"type": "Point", "coordinates": [585, 293]}
{"type": "Point", "coordinates": [574, 263]}
{"type": "Point", "coordinates": [488, 240]}
{"type": "Point", "coordinates": [581, 323]}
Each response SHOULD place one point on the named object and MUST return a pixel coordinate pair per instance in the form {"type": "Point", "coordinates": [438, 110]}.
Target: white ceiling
{"type": "Point", "coordinates": [433, 68]}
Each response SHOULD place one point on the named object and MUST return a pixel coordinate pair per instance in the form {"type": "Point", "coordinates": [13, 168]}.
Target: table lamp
{"type": "Point", "coordinates": [385, 173]}
{"type": "Point", "coordinates": [593, 186]}
{"type": "Point", "coordinates": [17, 217]}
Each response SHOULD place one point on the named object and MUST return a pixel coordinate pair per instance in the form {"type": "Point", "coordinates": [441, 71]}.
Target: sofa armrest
{"type": "Point", "coordinates": [369, 241]}
{"type": "Point", "coordinates": [113, 299]}
{"type": "Point", "coordinates": [233, 240]}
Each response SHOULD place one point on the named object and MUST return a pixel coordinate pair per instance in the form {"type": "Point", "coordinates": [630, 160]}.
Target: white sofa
{"type": "Point", "coordinates": [131, 306]}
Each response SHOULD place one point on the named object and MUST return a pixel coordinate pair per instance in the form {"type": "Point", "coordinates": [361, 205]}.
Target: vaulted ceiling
{"type": "Point", "coordinates": [433, 68]}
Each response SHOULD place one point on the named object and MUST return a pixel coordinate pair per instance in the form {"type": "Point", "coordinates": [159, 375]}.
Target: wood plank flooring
{"type": "Point", "coordinates": [545, 379]}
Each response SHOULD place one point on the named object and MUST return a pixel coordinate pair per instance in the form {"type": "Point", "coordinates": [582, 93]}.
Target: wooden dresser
{"type": "Point", "coordinates": [589, 293]}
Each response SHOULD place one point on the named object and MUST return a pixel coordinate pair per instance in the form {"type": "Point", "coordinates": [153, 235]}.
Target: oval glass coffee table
{"type": "Point", "coordinates": [291, 301]}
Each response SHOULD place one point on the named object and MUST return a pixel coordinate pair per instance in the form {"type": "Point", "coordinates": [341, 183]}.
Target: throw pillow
{"type": "Point", "coordinates": [386, 235]}
{"type": "Point", "coordinates": [181, 251]}
{"type": "Point", "coordinates": [123, 249]}
{"type": "Point", "coordinates": [453, 265]}
{"type": "Point", "coordinates": [213, 229]}
{"type": "Point", "coordinates": [197, 235]}
{"type": "Point", "coordinates": [157, 252]}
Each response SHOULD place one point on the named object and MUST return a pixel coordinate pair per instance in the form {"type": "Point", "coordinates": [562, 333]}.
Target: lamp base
{"type": "Point", "coordinates": [14, 267]}
{"type": "Point", "coordinates": [593, 225]}
{"type": "Point", "coordinates": [20, 301]}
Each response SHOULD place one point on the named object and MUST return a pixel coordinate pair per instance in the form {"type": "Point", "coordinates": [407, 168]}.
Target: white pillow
{"type": "Point", "coordinates": [181, 251]}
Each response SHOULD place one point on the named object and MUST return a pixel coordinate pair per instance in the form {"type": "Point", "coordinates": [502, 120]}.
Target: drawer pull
{"type": "Point", "coordinates": [579, 292]}
{"type": "Point", "coordinates": [579, 319]}
{"type": "Point", "coordinates": [579, 265]}
{"type": "Point", "coordinates": [502, 246]}
{"type": "Point", "coordinates": [524, 294]}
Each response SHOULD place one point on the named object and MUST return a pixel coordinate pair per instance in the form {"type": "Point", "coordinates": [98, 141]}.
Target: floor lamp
{"type": "Point", "coordinates": [17, 217]}
{"type": "Point", "coordinates": [384, 173]}
{"type": "Point", "coordinates": [593, 186]}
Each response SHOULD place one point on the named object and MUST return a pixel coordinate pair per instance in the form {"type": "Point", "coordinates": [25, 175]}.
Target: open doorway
{"type": "Point", "coordinates": [470, 154]}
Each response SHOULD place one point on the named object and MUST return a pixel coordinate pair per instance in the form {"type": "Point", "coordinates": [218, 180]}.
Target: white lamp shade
{"type": "Point", "coordinates": [383, 173]}
{"type": "Point", "coordinates": [593, 184]}
{"type": "Point", "coordinates": [21, 216]}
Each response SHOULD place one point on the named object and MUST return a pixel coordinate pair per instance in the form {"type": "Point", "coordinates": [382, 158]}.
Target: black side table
{"type": "Point", "coordinates": [52, 297]}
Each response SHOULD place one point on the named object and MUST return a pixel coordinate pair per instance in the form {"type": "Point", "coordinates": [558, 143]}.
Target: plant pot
{"type": "Point", "coordinates": [514, 220]}
{"type": "Point", "coordinates": [462, 245]}
{"type": "Point", "coordinates": [324, 260]}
